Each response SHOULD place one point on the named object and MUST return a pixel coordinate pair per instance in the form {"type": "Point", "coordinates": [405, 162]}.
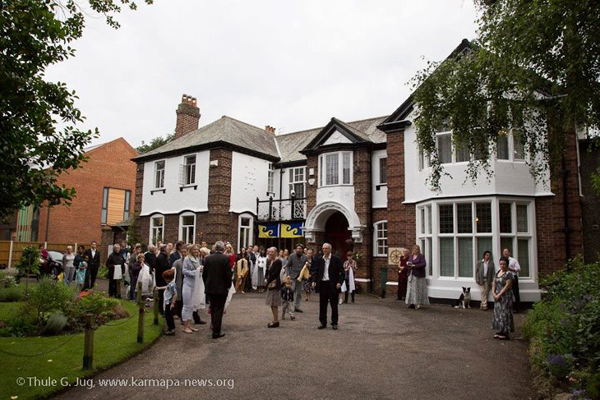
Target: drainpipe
{"type": "Point", "coordinates": [47, 224]}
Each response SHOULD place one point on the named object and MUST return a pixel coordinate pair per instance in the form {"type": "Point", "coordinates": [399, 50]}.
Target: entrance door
{"type": "Point", "coordinates": [336, 233]}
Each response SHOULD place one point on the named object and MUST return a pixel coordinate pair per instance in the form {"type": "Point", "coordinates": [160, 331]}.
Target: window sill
{"type": "Point", "coordinates": [380, 255]}
{"type": "Point", "coordinates": [187, 186]}
{"type": "Point", "coordinates": [332, 186]}
{"type": "Point", "coordinates": [158, 190]}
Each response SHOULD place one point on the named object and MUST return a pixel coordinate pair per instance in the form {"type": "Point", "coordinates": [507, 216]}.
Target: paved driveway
{"type": "Point", "coordinates": [381, 351]}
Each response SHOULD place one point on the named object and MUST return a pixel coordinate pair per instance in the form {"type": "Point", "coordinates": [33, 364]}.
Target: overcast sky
{"type": "Point", "coordinates": [289, 64]}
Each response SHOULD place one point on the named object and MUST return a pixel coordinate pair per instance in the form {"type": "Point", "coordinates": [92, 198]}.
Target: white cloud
{"type": "Point", "coordinates": [291, 64]}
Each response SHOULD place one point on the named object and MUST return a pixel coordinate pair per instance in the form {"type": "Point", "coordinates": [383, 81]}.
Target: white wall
{"type": "Point", "coordinates": [174, 201]}
{"type": "Point", "coordinates": [249, 177]}
{"type": "Point", "coordinates": [343, 195]}
{"type": "Point", "coordinates": [379, 199]}
{"type": "Point", "coordinates": [508, 178]}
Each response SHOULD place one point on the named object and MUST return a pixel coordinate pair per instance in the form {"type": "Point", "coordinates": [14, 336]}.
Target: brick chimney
{"type": "Point", "coordinates": [188, 116]}
{"type": "Point", "coordinates": [270, 129]}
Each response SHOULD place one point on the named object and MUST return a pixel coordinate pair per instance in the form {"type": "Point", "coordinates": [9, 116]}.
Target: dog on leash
{"type": "Point", "coordinates": [464, 300]}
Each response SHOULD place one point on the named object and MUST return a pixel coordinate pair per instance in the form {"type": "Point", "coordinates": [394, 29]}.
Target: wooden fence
{"type": "Point", "coordinates": [11, 251]}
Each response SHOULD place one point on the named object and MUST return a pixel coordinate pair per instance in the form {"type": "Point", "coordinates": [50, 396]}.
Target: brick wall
{"type": "Point", "coordinates": [552, 252]}
{"type": "Point", "coordinates": [401, 217]}
{"type": "Point", "coordinates": [109, 165]}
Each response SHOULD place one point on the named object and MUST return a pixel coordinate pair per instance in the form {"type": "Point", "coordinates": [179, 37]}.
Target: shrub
{"type": "Point", "coordinates": [11, 294]}
{"type": "Point", "coordinates": [96, 303]}
{"type": "Point", "coordinates": [103, 271]}
{"type": "Point", "coordinates": [23, 322]}
{"type": "Point", "coordinates": [8, 281]}
{"type": "Point", "coordinates": [56, 323]}
{"type": "Point", "coordinates": [48, 296]}
{"type": "Point", "coordinates": [29, 262]}
{"type": "Point", "coordinates": [563, 328]}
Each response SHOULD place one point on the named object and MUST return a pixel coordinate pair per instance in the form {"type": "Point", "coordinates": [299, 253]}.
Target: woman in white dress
{"type": "Point", "coordinates": [348, 285]}
{"type": "Point", "coordinates": [191, 265]}
{"type": "Point", "coordinates": [258, 275]}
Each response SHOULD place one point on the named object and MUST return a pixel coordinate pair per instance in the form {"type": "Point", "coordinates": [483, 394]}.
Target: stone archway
{"type": "Point", "coordinates": [319, 215]}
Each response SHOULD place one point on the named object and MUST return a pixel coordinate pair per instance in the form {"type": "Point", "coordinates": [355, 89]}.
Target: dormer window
{"type": "Point", "coordinates": [335, 169]}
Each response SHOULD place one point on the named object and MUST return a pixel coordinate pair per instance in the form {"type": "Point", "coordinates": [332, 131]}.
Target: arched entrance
{"type": "Point", "coordinates": [336, 233]}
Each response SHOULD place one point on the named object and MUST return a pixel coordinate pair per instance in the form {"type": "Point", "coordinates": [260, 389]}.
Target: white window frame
{"type": "Point", "coordinates": [188, 171]}
{"type": "Point", "coordinates": [250, 230]}
{"type": "Point", "coordinates": [162, 174]}
{"type": "Point", "coordinates": [184, 229]}
{"type": "Point", "coordinates": [439, 135]}
{"type": "Point", "coordinates": [424, 162]}
{"type": "Point", "coordinates": [511, 150]}
{"type": "Point", "coordinates": [379, 161]}
{"type": "Point", "coordinates": [153, 227]}
{"type": "Point", "coordinates": [495, 235]}
{"type": "Point", "coordinates": [425, 234]}
{"type": "Point", "coordinates": [271, 180]}
{"type": "Point", "coordinates": [340, 171]}
{"type": "Point", "coordinates": [293, 181]}
{"type": "Point", "coordinates": [377, 239]}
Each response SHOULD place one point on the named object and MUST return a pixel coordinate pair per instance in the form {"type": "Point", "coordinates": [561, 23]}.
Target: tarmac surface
{"type": "Point", "coordinates": [382, 350]}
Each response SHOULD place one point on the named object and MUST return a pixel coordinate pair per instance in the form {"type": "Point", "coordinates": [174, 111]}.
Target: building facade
{"type": "Point", "coordinates": [360, 186]}
{"type": "Point", "coordinates": [104, 187]}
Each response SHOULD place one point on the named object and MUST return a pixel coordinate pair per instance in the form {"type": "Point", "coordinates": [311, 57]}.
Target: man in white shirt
{"type": "Point", "coordinates": [515, 268]}
{"type": "Point", "coordinates": [328, 281]}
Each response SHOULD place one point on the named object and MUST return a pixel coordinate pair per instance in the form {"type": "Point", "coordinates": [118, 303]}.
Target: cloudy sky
{"type": "Point", "coordinates": [290, 64]}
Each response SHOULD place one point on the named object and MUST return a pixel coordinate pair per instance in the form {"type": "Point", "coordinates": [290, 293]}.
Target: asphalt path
{"type": "Point", "coordinates": [382, 350]}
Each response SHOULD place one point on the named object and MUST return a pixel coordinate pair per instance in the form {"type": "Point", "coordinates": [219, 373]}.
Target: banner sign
{"type": "Point", "coordinates": [270, 231]}
{"type": "Point", "coordinates": [292, 230]}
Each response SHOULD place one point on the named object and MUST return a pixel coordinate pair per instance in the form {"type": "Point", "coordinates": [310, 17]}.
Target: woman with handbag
{"type": "Point", "coordinates": [273, 284]}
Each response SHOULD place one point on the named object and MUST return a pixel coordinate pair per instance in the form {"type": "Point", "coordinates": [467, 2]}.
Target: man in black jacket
{"type": "Point", "coordinates": [328, 281]}
{"type": "Point", "coordinates": [115, 260]}
{"type": "Point", "coordinates": [217, 281]}
{"type": "Point", "coordinates": [160, 266]}
{"type": "Point", "coordinates": [93, 265]}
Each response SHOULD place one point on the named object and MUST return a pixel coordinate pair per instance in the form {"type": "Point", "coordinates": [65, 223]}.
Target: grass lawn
{"type": "Point", "coordinates": [112, 344]}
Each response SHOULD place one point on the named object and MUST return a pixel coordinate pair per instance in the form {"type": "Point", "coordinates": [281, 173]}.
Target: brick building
{"type": "Point", "coordinates": [359, 185]}
{"type": "Point", "coordinates": [104, 198]}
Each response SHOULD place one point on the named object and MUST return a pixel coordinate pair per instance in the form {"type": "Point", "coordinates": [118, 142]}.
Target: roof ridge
{"type": "Point", "coordinates": [250, 125]}
{"type": "Point", "coordinates": [321, 127]}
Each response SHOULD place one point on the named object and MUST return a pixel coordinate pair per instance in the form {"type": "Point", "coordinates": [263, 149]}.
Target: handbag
{"type": "Point", "coordinates": [272, 285]}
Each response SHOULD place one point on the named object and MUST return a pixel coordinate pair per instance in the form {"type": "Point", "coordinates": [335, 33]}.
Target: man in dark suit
{"type": "Point", "coordinates": [161, 265]}
{"type": "Point", "coordinates": [217, 281]}
{"type": "Point", "coordinates": [93, 265]}
{"type": "Point", "coordinates": [327, 281]}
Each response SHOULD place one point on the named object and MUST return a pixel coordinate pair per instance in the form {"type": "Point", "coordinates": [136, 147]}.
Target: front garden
{"type": "Point", "coordinates": [564, 333]}
{"type": "Point", "coordinates": [42, 334]}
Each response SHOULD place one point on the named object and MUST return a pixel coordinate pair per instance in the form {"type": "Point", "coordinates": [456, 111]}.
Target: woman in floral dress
{"type": "Point", "coordinates": [503, 301]}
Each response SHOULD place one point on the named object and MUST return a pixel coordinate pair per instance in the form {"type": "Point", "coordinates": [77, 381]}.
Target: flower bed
{"type": "Point", "coordinates": [563, 329]}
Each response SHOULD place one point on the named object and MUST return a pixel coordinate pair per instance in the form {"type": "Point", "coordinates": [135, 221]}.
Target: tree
{"type": "Point", "coordinates": [155, 143]}
{"type": "Point", "coordinates": [534, 68]}
{"type": "Point", "coordinates": [35, 34]}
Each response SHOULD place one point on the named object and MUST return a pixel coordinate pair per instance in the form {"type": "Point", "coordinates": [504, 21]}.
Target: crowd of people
{"type": "Point", "coordinates": [190, 277]}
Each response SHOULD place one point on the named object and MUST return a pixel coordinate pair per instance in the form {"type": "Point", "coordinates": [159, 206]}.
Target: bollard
{"type": "Point", "coordinates": [156, 300]}
{"type": "Point", "coordinates": [140, 334]}
{"type": "Point", "coordinates": [88, 344]}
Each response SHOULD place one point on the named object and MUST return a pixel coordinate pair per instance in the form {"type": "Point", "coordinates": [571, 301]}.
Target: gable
{"type": "Point", "coordinates": [336, 137]}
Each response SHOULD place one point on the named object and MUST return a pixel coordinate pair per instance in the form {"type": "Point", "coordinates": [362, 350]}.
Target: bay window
{"type": "Point", "coordinates": [336, 168]}
{"type": "Point", "coordinates": [464, 229]}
